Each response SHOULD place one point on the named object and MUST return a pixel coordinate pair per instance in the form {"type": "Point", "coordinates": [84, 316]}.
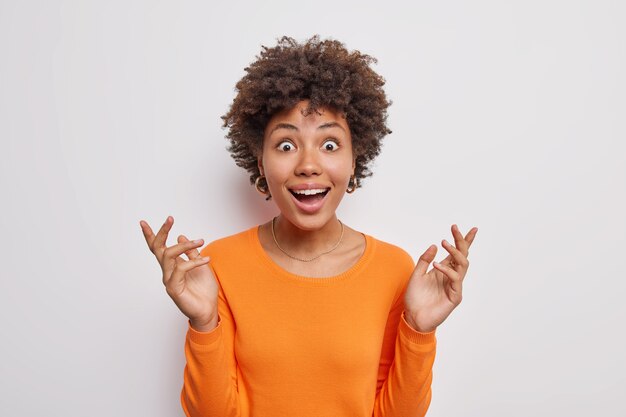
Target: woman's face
{"type": "Point", "coordinates": [307, 161]}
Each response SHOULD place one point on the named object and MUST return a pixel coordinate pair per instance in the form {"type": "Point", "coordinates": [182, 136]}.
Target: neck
{"type": "Point", "coordinates": [305, 243]}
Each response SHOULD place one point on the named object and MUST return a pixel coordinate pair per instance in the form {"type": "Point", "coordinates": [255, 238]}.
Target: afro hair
{"type": "Point", "coordinates": [321, 71]}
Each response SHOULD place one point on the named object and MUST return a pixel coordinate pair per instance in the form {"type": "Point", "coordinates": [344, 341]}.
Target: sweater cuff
{"type": "Point", "coordinates": [204, 338]}
{"type": "Point", "coordinates": [413, 335]}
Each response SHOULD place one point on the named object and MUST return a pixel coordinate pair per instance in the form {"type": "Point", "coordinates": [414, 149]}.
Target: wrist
{"type": "Point", "coordinates": [203, 325]}
{"type": "Point", "coordinates": [412, 324]}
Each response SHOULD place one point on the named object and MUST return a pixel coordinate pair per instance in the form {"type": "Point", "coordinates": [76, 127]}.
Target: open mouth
{"type": "Point", "coordinates": [310, 196]}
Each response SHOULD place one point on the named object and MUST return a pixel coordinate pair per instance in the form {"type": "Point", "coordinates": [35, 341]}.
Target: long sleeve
{"type": "Point", "coordinates": [290, 345]}
{"type": "Point", "coordinates": [210, 375]}
{"type": "Point", "coordinates": [405, 370]}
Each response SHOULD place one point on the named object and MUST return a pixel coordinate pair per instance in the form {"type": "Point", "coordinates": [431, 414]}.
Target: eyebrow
{"type": "Point", "coordinates": [284, 126]}
{"type": "Point", "coordinates": [292, 127]}
{"type": "Point", "coordinates": [329, 125]}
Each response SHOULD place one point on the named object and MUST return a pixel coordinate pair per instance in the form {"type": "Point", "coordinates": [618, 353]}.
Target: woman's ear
{"type": "Point", "coordinates": [260, 163]}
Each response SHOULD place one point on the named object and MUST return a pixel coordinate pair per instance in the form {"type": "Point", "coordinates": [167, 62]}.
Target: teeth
{"type": "Point", "coordinates": [310, 192]}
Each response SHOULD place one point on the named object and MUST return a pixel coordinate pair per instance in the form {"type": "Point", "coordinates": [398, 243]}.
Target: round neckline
{"type": "Point", "coordinates": [317, 281]}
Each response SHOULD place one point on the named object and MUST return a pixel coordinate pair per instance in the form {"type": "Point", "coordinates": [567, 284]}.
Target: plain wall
{"type": "Point", "coordinates": [508, 116]}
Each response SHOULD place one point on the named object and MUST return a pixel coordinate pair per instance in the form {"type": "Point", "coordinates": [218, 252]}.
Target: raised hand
{"type": "Point", "coordinates": [431, 297]}
{"type": "Point", "coordinates": [190, 283]}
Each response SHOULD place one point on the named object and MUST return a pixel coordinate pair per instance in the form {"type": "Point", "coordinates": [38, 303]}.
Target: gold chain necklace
{"type": "Point", "coordinates": [310, 259]}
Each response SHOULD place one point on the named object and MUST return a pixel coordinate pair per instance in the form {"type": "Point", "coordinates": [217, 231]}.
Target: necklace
{"type": "Point", "coordinates": [309, 259]}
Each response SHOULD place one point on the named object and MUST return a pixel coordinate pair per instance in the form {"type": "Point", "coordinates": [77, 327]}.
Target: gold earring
{"type": "Point", "coordinates": [352, 184]}
{"type": "Point", "coordinates": [262, 188]}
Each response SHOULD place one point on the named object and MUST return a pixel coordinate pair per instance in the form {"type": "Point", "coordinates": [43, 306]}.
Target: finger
{"type": "Point", "coordinates": [471, 235]}
{"type": "Point", "coordinates": [192, 253]}
{"type": "Point", "coordinates": [171, 254]}
{"type": "Point", "coordinates": [456, 255]}
{"type": "Point", "coordinates": [456, 283]}
{"type": "Point", "coordinates": [463, 243]}
{"type": "Point", "coordinates": [147, 232]}
{"type": "Point", "coordinates": [459, 241]}
{"type": "Point", "coordinates": [176, 282]}
{"type": "Point", "coordinates": [427, 257]}
{"type": "Point", "coordinates": [161, 236]}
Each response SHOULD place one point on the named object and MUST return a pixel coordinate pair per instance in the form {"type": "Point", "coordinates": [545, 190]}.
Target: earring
{"type": "Point", "coordinates": [261, 185]}
{"type": "Point", "coordinates": [352, 184]}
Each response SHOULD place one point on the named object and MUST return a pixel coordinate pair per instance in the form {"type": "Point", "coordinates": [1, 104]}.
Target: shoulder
{"type": "Point", "coordinates": [389, 259]}
{"type": "Point", "coordinates": [389, 252]}
{"type": "Point", "coordinates": [391, 262]}
{"type": "Point", "coordinates": [229, 246]}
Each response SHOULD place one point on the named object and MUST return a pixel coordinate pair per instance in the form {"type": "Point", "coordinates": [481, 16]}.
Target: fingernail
{"type": "Point", "coordinates": [197, 241]}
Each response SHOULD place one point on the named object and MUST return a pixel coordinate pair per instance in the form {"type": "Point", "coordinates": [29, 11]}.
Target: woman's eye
{"type": "Point", "coordinates": [330, 145]}
{"type": "Point", "coordinates": [285, 146]}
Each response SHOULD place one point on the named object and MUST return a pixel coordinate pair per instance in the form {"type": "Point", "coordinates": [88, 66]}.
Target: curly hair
{"type": "Point", "coordinates": [323, 72]}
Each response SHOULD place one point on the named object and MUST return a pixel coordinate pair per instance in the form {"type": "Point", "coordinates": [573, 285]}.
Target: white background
{"type": "Point", "coordinates": [508, 116]}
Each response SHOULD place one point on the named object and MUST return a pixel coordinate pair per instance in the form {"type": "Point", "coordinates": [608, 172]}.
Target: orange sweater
{"type": "Point", "coordinates": [287, 345]}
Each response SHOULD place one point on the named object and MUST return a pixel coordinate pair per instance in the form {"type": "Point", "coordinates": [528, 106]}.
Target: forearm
{"type": "Point", "coordinates": [407, 389]}
{"type": "Point", "coordinates": [209, 388]}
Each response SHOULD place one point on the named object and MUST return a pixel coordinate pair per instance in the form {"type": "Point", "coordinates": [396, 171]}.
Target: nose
{"type": "Point", "coordinates": [308, 162]}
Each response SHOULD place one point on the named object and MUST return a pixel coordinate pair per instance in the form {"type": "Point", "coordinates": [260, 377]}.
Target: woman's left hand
{"type": "Point", "coordinates": [431, 297]}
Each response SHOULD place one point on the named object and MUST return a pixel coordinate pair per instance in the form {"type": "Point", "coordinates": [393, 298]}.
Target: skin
{"type": "Point", "coordinates": [190, 283]}
{"type": "Point", "coordinates": [431, 296]}
{"type": "Point", "coordinates": [304, 149]}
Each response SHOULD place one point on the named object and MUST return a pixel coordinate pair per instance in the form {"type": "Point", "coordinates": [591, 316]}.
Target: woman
{"type": "Point", "coordinates": [303, 315]}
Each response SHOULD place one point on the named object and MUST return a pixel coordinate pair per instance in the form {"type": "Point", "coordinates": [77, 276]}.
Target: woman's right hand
{"type": "Point", "coordinates": [190, 283]}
